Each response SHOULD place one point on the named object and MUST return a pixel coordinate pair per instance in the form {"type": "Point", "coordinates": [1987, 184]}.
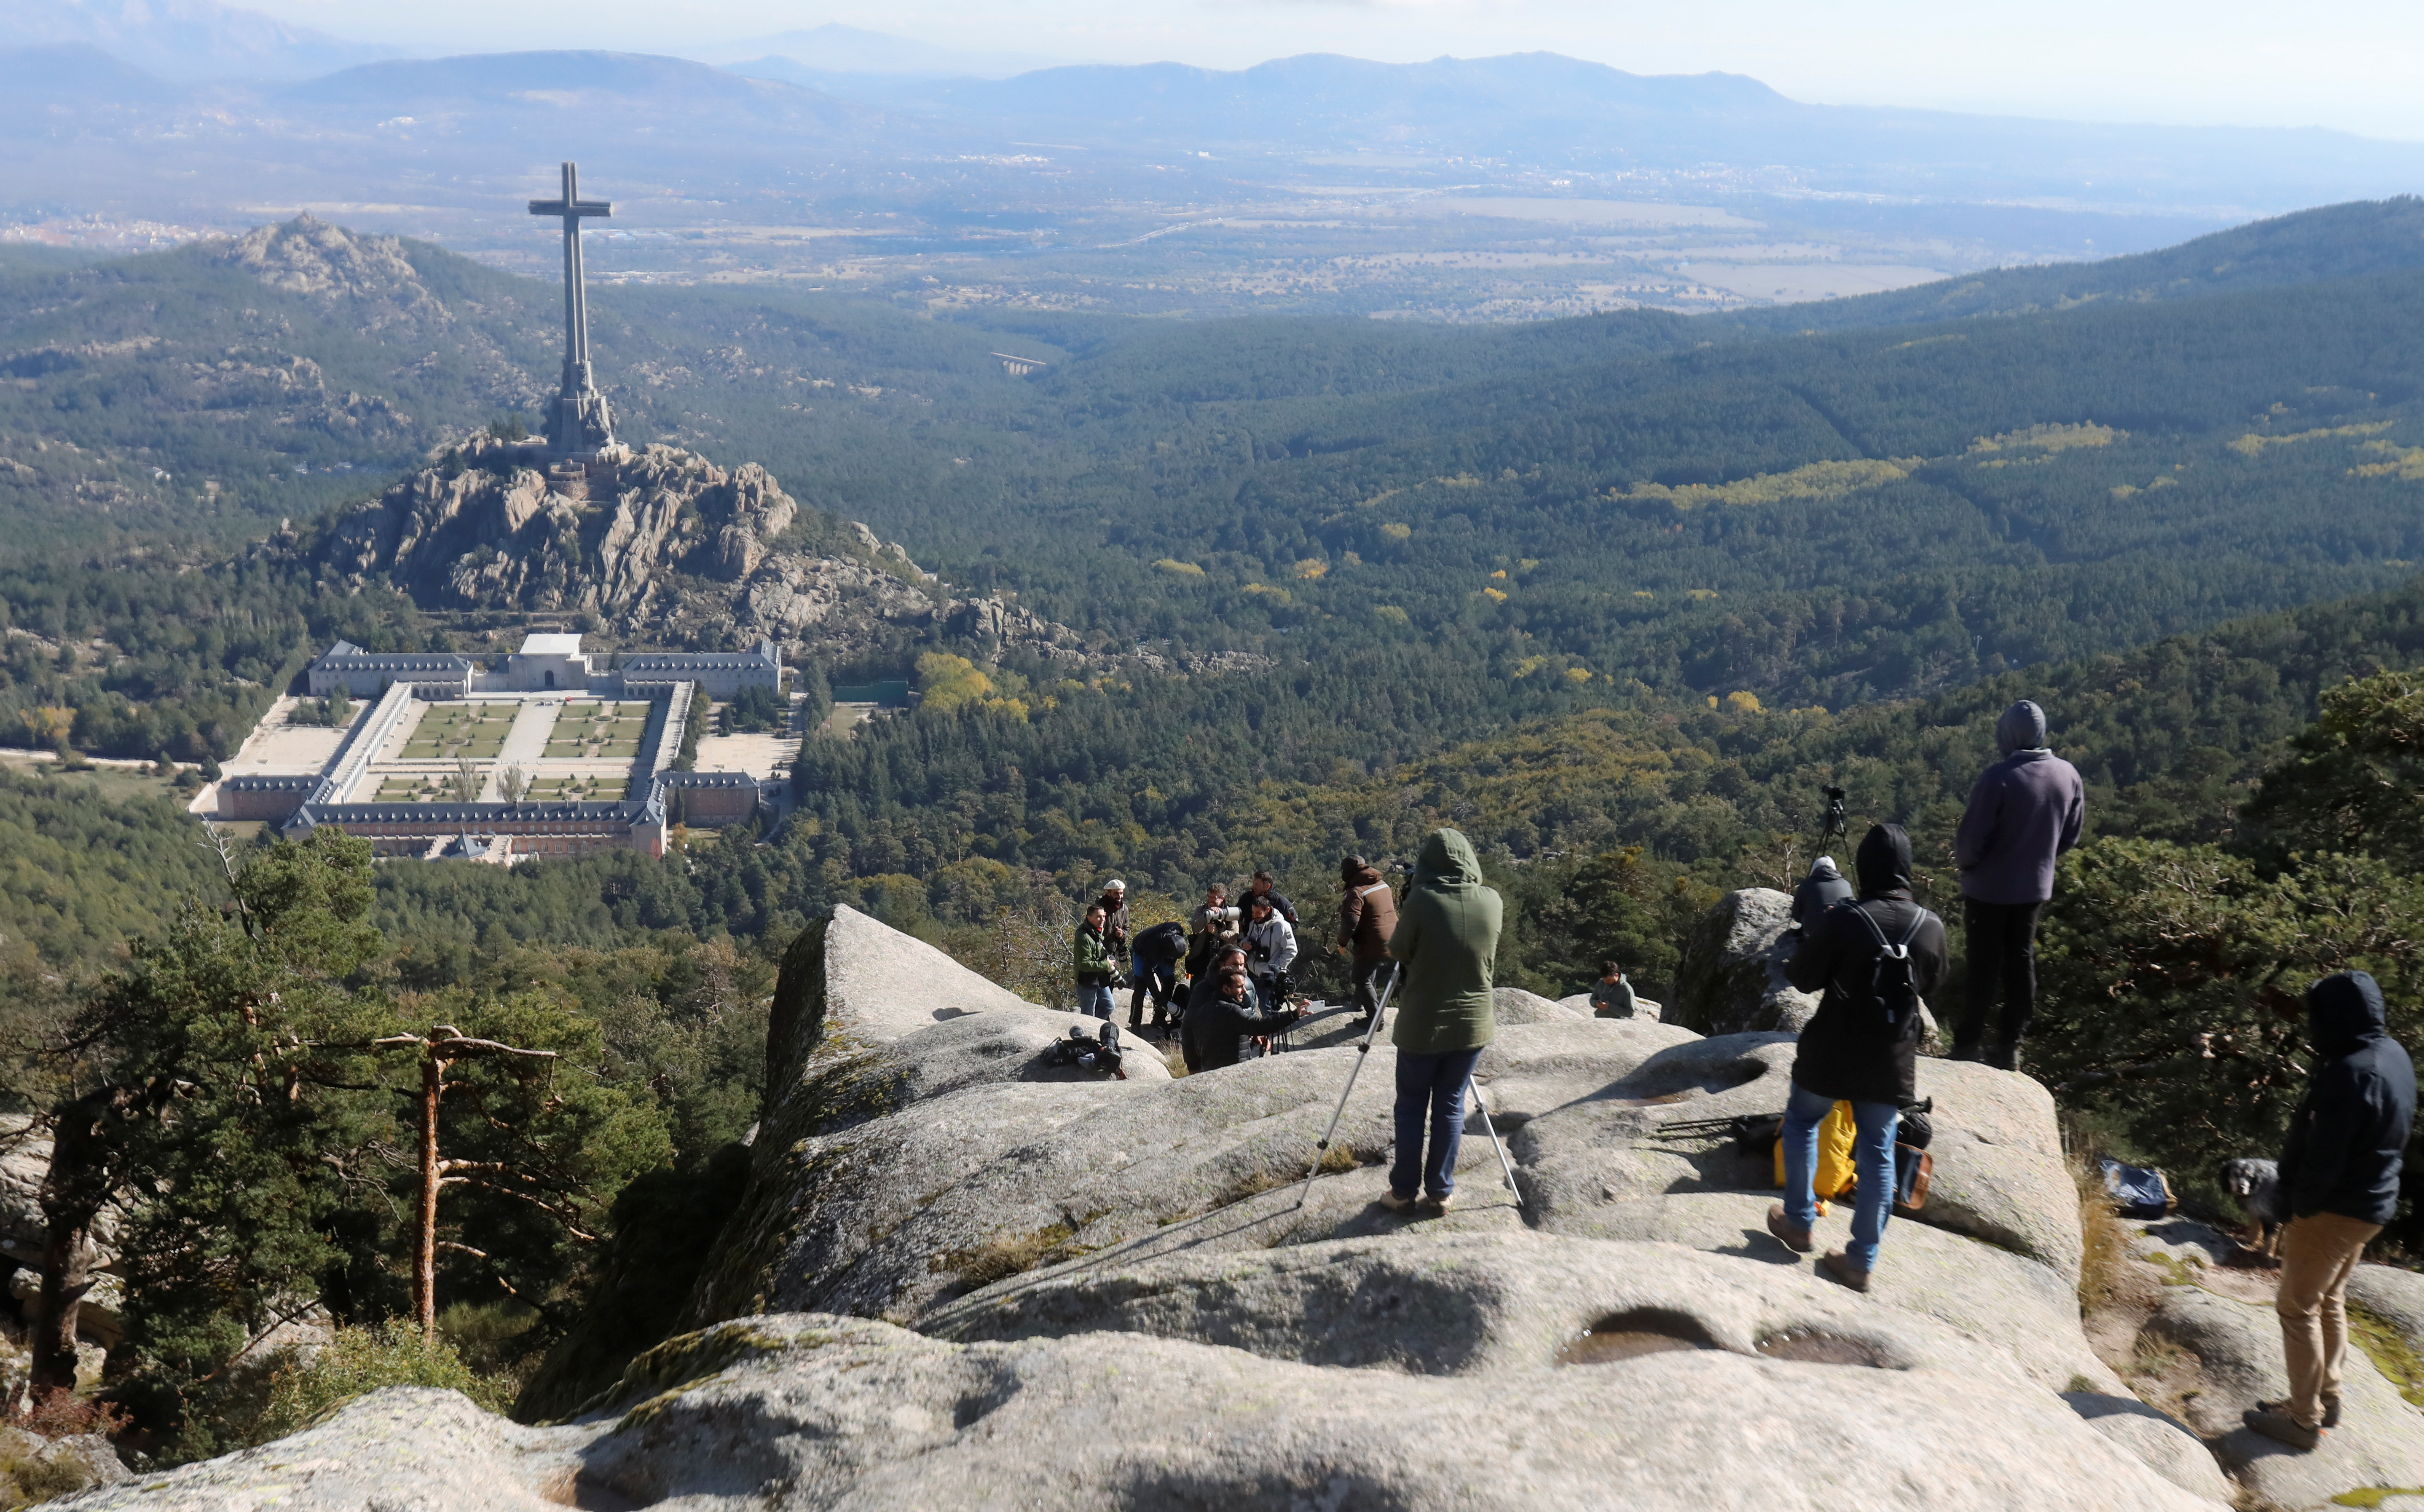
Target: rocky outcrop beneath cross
{"type": "Point", "coordinates": [658, 544]}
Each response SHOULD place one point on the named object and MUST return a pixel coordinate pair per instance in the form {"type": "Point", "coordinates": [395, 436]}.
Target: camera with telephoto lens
{"type": "Point", "coordinates": [1838, 822]}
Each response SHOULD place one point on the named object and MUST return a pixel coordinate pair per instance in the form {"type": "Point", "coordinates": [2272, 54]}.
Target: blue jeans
{"type": "Point", "coordinates": [1872, 1155]}
{"type": "Point", "coordinates": [1430, 1089]}
{"type": "Point", "coordinates": [1094, 999]}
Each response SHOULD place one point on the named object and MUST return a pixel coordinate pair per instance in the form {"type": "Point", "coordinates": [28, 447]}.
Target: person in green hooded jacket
{"type": "Point", "coordinates": [1446, 949]}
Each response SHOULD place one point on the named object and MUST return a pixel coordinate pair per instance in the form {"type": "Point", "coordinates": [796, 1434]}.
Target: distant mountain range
{"type": "Point", "coordinates": [1536, 111]}
{"type": "Point", "coordinates": [184, 40]}
{"type": "Point", "coordinates": [1552, 111]}
{"type": "Point", "coordinates": [834, 48]}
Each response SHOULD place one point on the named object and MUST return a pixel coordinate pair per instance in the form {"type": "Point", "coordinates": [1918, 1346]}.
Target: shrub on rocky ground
{"type": "Point", "coordinates": [357, 1361]}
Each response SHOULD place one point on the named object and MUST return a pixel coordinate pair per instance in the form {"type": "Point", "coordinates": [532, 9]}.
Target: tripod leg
{"type": "Point", "coordinates": [1505, 1168]}
{"type": "Point", "coordinates": [1362, 1049]}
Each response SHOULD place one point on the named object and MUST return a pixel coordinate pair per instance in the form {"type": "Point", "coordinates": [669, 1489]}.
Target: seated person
{"type": "Point", "coordinates": [1612, 996]}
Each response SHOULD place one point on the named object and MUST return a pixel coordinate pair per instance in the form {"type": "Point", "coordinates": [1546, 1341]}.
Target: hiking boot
{"type": "Point", "coordinates": [1395, 1203]}
{"type": "Point", "coordinates": [2331, 1409]}
{"type": "Point", "coordinates": [1796, 1240]}
{"type": "Point", "coordinates": [2004, 1056]}
{"type": "Point", "coordinates": [1837, 1266]}
{"type": "Point", "coordinates": [1438, 1206]}
{"type": "Point", "coordinates": [2282, 1429]}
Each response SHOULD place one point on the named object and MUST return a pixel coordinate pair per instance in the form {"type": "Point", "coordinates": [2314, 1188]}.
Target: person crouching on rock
{"type": "Point", "coordinates": [1094, 966]}
{"type": "Point", "coordinates": [1876, 958]}
{"type": "Point", "coordinates": [1156, 955]}
{"type": "Point", "coordinates": [1219, 1020]}
{"type": "Point", "coordinates": [2348, 1141]}
{"type": "Point", "coordinates": [1446, 946]}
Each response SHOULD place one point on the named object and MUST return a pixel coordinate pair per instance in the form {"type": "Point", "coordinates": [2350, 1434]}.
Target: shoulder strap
{"type": "Point", "coordinates": [1894, 946]}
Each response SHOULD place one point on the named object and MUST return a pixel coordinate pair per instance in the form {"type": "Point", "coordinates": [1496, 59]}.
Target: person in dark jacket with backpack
{"type": "Point", "coordinates": [1155, 955]}
{"type": "Point", "coordinates": [1223, 1014]}
{"type": "Point", "coordinates": [2348, 1141]}
{"type": "Point", "coordinates": [1873, 959]}
{"type": "Point", "coordinates": [2025, 812]}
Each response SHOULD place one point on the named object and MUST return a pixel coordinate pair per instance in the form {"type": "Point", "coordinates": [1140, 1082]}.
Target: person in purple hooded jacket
{"type": "Point", "coordinates": [2025, 812]}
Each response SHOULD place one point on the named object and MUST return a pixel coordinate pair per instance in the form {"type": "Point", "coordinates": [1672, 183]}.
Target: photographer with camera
{"type": "Point", "coordinates": [1221, 1016]}
{"type": "Point", "coordinates": [1819, 891]}
{"type": "Point", "coordinates": [1155, 959]}
{"type": "Point", "coordinates": [1270, 949]}
{"type": "Point", "coordinates": [1873, 960]}
{"type": "Point", "coordinates": [1367, 917]}
{"type": "Point", "coordinates": [1114, 904]}
{"type": "Point", "coordinates": [1209, 927]}
{"type": "Point", "coordinates": [1446, 945]}
{"type": "Point", "coordinates": [1093, 966]}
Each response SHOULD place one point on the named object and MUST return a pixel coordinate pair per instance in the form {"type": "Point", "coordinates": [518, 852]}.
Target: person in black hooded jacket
{"type": "Point", "coordinates": [2347, 1143]}
{"type": "Point", "coordinates": [1849, 1053]}
{"type": "Point", "coordinates": [1224, 1014]}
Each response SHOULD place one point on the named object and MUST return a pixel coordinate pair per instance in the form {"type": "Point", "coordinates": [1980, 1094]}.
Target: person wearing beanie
{"type": "Point", "coordinates": [1819, 891]}
{"type": "Point", "coordinates": [1367, 918]}
{"type": "Point", "coordinates": [2347, 1146]}
{"type": "Point", "coordinates": [2026, 810]}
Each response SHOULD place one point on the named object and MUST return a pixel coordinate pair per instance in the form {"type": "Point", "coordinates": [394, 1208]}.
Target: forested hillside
{"type": "Point", "coordinates": [1519, 520]}
{"type": "Point", "coordinates": [2336, 242]}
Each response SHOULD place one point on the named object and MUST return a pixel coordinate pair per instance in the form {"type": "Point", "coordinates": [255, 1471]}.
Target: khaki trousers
{"type": "Point", "coordinates": [2318, 1253]}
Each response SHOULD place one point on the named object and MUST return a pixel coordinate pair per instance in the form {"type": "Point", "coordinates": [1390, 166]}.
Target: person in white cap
{"type": "Point", "coordinates": [1114, 904]}
{"type": "Point", "coordinates": [1820, 890]}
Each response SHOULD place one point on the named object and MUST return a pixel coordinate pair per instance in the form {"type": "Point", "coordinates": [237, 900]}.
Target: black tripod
{"type": "Point", "coordinates": [1834, 825]}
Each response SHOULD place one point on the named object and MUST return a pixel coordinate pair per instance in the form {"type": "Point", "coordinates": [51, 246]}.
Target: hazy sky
{"type": "Point", "coordinates": [2352, 64]}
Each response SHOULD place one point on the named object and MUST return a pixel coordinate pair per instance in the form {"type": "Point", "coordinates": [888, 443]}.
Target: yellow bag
{"type": "Point", "coordinates": [1836, 1169]}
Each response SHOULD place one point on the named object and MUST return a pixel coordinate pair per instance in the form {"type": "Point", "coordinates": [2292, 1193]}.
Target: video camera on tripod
{"type": "Point", "coordinates": [1836, 825]}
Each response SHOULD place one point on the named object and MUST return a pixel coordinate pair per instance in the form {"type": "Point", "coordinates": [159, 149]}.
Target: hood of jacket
{"type": "Point", "coordinates": [1824, 866]}
{"type": "Point", "coordinates": [1884, 860]}
{"type": "Point", "coordinates": [2344, 1012]}
{"type": "Point", "coordinates": [1363, 876]}
{"type": "Point", "coordinates": [2022, 728]}
{"type": "Point", "coordinates": [1447, 860]}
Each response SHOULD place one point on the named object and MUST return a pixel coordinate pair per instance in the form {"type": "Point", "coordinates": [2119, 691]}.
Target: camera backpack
{"type": "Point", "coordinates": [1893, 988]}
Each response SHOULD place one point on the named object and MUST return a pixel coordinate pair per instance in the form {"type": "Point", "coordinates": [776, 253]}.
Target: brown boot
{"type": "Point", "coordinates": [2331, 1409]}
{"type": "Point", "coordinates": [1838, 1268]}
{"type": "Point", "coordinates": [2282, 1429]}
{"type": "Point", "coordinates": [1796, 1240]}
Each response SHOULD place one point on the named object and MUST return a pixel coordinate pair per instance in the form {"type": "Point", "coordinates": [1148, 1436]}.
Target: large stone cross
{"type": "Point", "coordinates": [578, 423]}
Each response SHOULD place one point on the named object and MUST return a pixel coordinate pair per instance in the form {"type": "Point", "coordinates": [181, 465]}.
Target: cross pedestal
{"type": "Point", "coordinates": [579, 428]}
